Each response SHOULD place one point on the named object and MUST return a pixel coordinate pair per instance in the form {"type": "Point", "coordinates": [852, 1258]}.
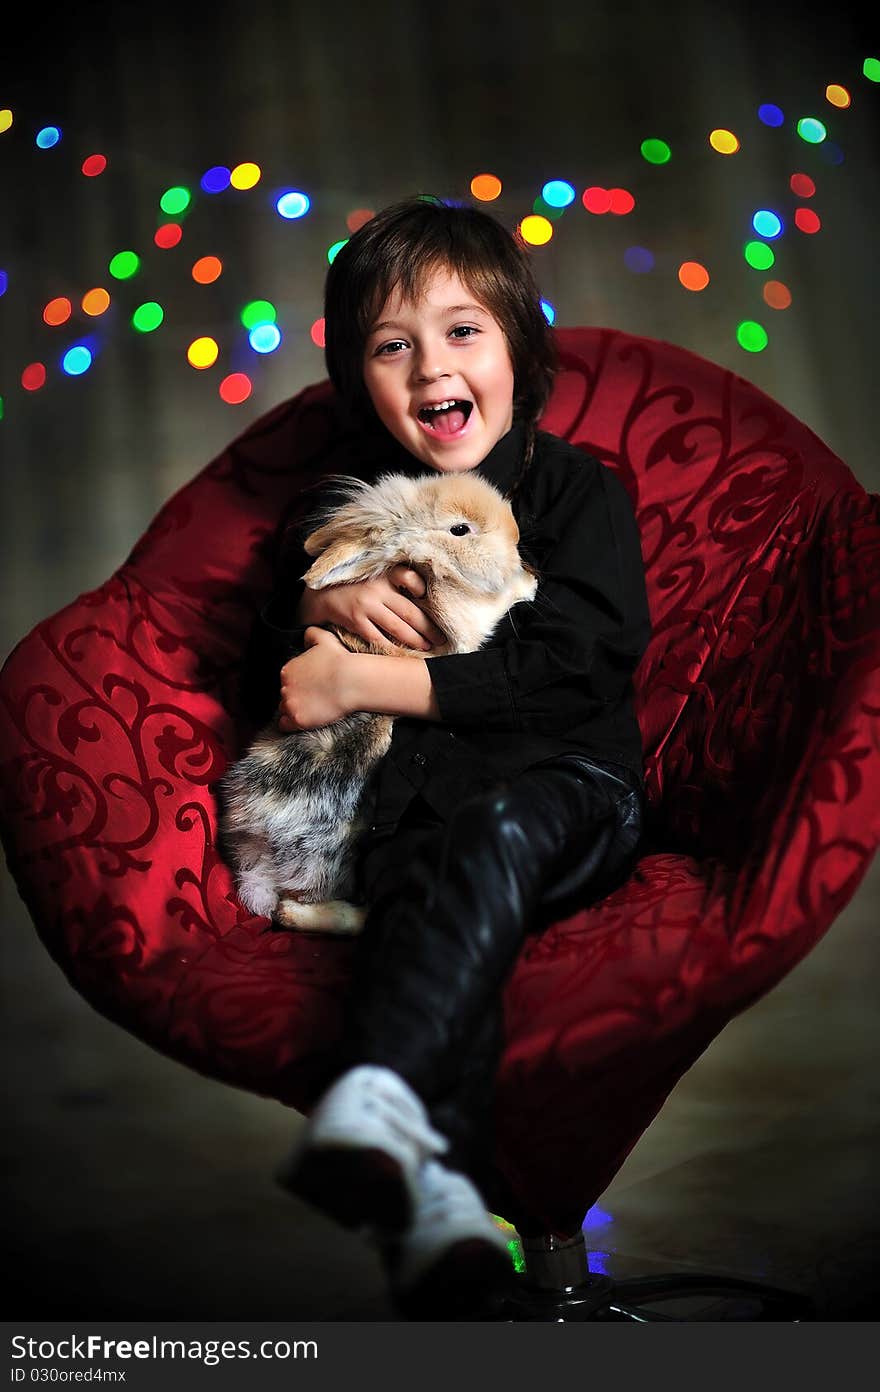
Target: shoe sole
{"type": "Point", "coordinates": [470, 1281]}
{"type": "Point", "coordinates": [358, 1186]}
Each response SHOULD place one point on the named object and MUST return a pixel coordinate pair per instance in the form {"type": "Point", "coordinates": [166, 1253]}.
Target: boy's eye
{"type": "Point", "coordinates": [465, 330]}
{"type": "Point", "coordinates": [389, 348]}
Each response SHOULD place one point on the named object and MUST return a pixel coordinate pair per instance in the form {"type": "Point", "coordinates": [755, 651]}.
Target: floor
{"type": "Point", "coordinates": [140, 1190]}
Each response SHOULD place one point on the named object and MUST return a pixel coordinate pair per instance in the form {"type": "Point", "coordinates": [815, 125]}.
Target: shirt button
{"type": "Point", "coordinates": [419, 759]}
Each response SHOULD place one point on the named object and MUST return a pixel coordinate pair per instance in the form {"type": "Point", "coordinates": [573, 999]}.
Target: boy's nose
{"type": "Point", "coordinates": [429, 366]}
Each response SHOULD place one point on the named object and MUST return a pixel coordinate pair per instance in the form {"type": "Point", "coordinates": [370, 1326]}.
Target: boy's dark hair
{"type": "Point", "coordinates": [398, 249]}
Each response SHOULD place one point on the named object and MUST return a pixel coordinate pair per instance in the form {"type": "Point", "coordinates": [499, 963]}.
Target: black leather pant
{"type": "Point", "coordinates": [450, 904]}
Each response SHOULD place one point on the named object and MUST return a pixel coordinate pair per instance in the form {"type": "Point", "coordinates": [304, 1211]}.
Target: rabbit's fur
{"type": "Point", "coordinates": [294, 803]}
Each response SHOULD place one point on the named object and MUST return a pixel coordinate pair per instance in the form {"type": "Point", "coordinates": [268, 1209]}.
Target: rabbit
{"type": "Point", "coordinates": [294, 803]}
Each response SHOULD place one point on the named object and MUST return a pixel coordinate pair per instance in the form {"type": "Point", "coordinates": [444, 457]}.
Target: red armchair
{"type": "Point", "coordinates": [758, 699]}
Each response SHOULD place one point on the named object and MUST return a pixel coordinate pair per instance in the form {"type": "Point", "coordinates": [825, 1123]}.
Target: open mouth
{"type": "Point", "coordinates": [447, 417]}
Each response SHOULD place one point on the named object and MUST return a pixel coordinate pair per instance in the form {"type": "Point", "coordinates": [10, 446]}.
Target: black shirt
{"type": "Point", "coordinates": [556, 675]}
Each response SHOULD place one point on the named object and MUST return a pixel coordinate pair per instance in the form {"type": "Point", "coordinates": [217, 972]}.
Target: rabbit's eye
{"type": "Point", "coordinates": [460, 529]}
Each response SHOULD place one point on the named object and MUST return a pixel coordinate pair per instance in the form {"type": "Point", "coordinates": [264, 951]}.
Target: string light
{"type": "Point", "coordinates": [485, 187]}
{"type": "Point", "coordinates": [93, 165]}
{"type": "Point", "coordinates": [596, 200]}
{"type": "Point", "coordinates": [202, 353]}
{"type": "Point", "coordinates": [34, 376]}
{"type": "Point", "coordinates": [148, 317]}
{"type": "Point", "coordinates": [549, 311]}
{"type": "Point", "coordinates": [358, 218]}
{"type": "Point", "coordinates": [811, 130]}
{"type": "Point", "coordinates": [57, 311]}
{"type": "Point", "coordinates": [316, 333]}
{"type": "Point", "coordinates": [207, 269]}
{"type": "Point", "coordinates": [693, 276]}
{"type": "Point", "coordinates": [334, 250]}
{"type": "Point", "coordinates": [4, 282]}
{"type": "Point", "coordinates": [558, 193]}
{"type": "Point", "coordinates": [767, 223]}
{"type": "Point", "coordinates": [837, 95]}
{"type": "Point", "coordinates": [6, 119]}
{"type": "Point", "coordinates": [168, 235]}
{"type": "Point", "coordinates": [48, 137]}
{"type": "Point", "coordinates": [777, 295]}
{"type": "Point", "coordinates": [770, 114]}
{"type": "Point", "coordinates": [235, 388]}
{"type": "Point", "coordinates": [95, 302]}
{"type": "Point", "coordinates": [124, 265]}
{"type": "Point", "coordinates": [264, 338]}
{"type": "Point", "coordinates": [258, 312]}
{"type": "Point", "coordinates": [807, 221]}
{"type": "Point", "coordinates": [245, 176]}
{"type": "Point", "coordinates": [536, 230]}
{"type": "Point", "coordinates": [638, 259]}
{"type": "Point", "coordinates": [751, 336]}
{"type": "Point", "coordinates": [724, 141]}
{"type": "Point", "coordinates": [293, 204]}
{"type": "Point", "coordinates": [216, 179]}
{"type": "Point", "coordinates": [655, 151]}
{"type": "Point", "coordinates": [759, 255]}
{"type": "Point", "coordinates": [802, 185]}
{"type": "Point", "coordinates": [620, 202]}
{"type": "Point", "coordinates": [175, 201]}
{"type": "Point", "coordinates": [76, 360]}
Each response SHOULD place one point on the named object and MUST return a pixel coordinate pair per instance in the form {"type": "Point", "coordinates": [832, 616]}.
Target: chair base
{"type": "Point", "coordinates": [558, 1287]}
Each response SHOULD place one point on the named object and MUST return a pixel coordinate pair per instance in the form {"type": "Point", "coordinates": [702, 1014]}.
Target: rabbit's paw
{"type": "Point", "coordinates": [334, 916]}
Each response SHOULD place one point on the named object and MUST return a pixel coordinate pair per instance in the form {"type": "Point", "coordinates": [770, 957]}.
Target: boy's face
{"type": "Point", "coordinates": [445, 348]}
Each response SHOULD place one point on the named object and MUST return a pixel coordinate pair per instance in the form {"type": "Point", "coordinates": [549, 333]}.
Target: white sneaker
{"type": "Point", "coordinates": [362, 1149]}
{"type": "Point", "coordinates": [453, 1261]}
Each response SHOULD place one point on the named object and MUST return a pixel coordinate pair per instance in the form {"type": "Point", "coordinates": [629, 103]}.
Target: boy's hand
{"type": "Point", "coordinates": [313, 683]}
{"type": "Point", "coordinates": [377, 610]}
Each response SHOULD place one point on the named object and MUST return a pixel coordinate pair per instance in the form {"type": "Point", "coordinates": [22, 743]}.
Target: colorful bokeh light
{"type": "Point", "coordinates": [168, 235]}
{"type": "Point", "coordinates": [724, 141]}
{"type": "Point", "coordinates": [831, 153]}
{"type": "Point", "coordinates": [265, 338]}
{"type": "Point", "coordinates": [776, 295]}
{"type": "Point", "coordinates": [77, 360]}
{"type": "Point", "coordinates": [767, 223]}
{"type": "Point", "coordinates": [536, 230]}
{"type": "Point", "coordinates": [693, 275]}
{"type": "Point", "coordinates": [235, 388]}
{"type": "Point", "coordinates": [258, 312]}
{"type": "Point", "coordinates": [124, 265]}
{"type": "Point", "coordinates": [837, 95]}
{"type": "Point", "coordinates": [293, 204]}
{"type": "Point", "coordinates": [638, 259]}
{"type": "Point", "coordinates": [245, 176]}
{"type": "Point", "coordinates": [175, 201]}
{"type": "Point", "coordinates": [655, 151]}
{"type": "Point", "coordinates": [47, 137]}
{"type": "Point", "coordinates": [334, 250]}
{"type": "Point", "coordinates": [770, 114]}
{"type": "Point", "coordinates": [545, 209]}
{"type": "Point", "coordinates": [6, 119]}
{"type": "Point", "coordinates": [215, 179]}
{"type": "Point", "coordinates": [548, 311]}
{"type": "Point", "coordinates": [485, 187]}
{"type": "Point", "coordinates": [751, 336]}
{"type": "Point", "coordinates": [871, 69]}
{"type": "Point", "coordinates": [316, 333]}
{"type": "Point", "coordinates": [202, 353]}
{"type": "Point", "coordinates": [93, 165]}
{"type": "Point", "coordinates": [358, 218]}
{"type": "Point", "coordinates": [34, 376]}
{"type": "Point", "coordinates": [802, 185]}
{"type": "Point", "coordinates": [207, 269]}
{"type": "Point", "coordinates": [596, 200]}
{"type": "Point", "coordinates": [759, 255]}
{"type": "Point", "coordinates": [811, 130]}
{"type": "Point", "coordinates": [807, 221]}
{"type": "Point", "coordinates": [147, 317]}
{"type": "Point", "coordinates": [558, 193]}
{"type": "Point", "coordinates": [621, 202]}
{"type": "Point", "coordinates": [4, 282]}
{"type": "Point", "coordinates": [57, 311]}
{"type": "Point", "coordinates": [95, 302]}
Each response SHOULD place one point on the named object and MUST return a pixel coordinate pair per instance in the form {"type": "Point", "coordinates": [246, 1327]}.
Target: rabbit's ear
{"type": "Point", "coordinates": [346, 560]}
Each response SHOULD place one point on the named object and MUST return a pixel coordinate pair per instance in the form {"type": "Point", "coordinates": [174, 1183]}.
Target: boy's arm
{"type": "Point", "coordinates": [579, 642]}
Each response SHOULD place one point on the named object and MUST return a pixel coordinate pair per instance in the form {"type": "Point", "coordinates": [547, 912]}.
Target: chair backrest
{"type": "Point", "coordinates": [747, 523]}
